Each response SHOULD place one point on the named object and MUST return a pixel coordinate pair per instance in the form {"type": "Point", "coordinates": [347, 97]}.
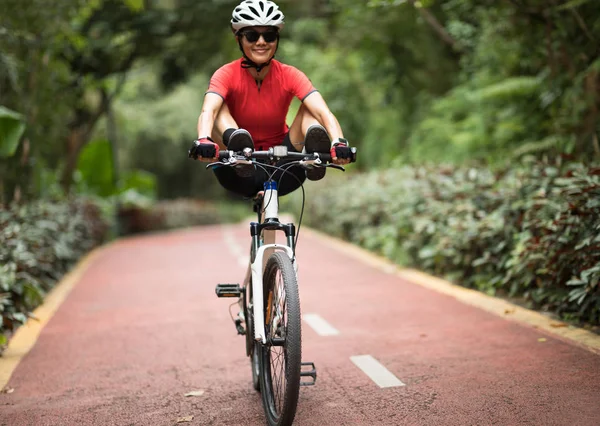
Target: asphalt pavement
{"type": "Point", "coordinates": [141, 339]}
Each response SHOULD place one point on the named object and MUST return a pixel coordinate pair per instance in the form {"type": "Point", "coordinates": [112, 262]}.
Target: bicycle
{"type": "Point", "coordinates": [269, 298]}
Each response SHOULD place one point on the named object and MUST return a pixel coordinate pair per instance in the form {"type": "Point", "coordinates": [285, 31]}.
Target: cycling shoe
{"type": "Point", "coordinates": [238, 141]}
{"type": "Point", "coordinates": [316, 140]}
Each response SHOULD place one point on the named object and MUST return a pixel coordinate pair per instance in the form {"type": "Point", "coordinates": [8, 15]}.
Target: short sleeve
{"type": "Point", "coordinates": [220, 82]}
{"type": "Point", "coordinates": [298, 83]}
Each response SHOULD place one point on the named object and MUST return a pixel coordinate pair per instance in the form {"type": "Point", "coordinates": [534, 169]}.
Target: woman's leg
{"type": "Point", "coordinates": [223, 122]}
{"type": "Point", "coordinates": [303, 120]}
{"type": "Point", "coordinates": [246, 186]}
{"type": "Point", "coordinates": [317, 139]}
{"type": "Point", "coordinates": [293, 177]}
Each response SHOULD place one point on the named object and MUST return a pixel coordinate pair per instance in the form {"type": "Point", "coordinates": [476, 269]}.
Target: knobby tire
{"type": "Point", "coordinates": [280, 365]}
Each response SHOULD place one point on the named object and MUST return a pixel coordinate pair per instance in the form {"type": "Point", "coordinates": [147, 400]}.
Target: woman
{"type": "Point", "coordinates": [247, 102]}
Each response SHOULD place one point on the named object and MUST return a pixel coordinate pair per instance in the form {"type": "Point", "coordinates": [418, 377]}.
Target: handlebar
{"type": "Point", "coordinates": [281, 153]}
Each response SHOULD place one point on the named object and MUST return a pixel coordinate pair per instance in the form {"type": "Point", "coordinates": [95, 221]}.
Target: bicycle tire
{"type": "Point", "coordinates": [280, 365]}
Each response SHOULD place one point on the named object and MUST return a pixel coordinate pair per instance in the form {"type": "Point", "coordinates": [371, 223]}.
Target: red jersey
{"type": "Point", "coordinates": [260, 111]}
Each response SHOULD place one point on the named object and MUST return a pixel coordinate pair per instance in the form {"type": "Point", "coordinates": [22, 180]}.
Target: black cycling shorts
{"type": "Point", "coordinates": [287, 181]}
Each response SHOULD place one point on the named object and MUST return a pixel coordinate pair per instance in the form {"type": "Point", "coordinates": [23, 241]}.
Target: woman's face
{"type": "Point", "coordinates": [259, 43]}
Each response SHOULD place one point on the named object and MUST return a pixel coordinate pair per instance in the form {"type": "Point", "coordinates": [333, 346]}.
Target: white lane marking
{"type": "Point", "coordinates": [236, 249]}
{"type": "Point", "coordinates": [322, 327]}
{"type": "Point", "coordinates": [376, 371]}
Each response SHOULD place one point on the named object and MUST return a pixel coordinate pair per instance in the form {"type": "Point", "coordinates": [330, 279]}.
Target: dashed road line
{"type": "Point", "coordinates": [583, 338]}
{"type": "Point", "coordinates": [376, 371]}
{"type": "Point", "coordinates": [321, 327]}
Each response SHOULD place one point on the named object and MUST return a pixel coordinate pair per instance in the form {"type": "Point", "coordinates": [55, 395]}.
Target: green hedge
{"type": "Point", "coordinates": [167, 215]}
{"type": "Point", "coordinates": [39, 242]}
{"type": "Point", "coordinates": [530, 232]}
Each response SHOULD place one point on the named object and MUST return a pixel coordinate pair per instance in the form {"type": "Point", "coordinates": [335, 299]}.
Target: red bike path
{"type": "Point", "coordinates": [142, 328]}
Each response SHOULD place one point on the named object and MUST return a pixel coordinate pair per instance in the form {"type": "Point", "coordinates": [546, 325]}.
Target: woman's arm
{"type": "Point", "coordinates": [210, 108]}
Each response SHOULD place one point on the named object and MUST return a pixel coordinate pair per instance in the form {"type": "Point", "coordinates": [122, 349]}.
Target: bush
{"type": "Point", "coordinates": [138, 217]}
{"type": "Point", "coordinates": [39, 242]}
{"type": "Point", "coordinates": [531, 232]}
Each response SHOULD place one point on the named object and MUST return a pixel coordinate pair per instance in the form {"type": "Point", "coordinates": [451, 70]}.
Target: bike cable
{"type": "Point", "coordinates": [285, 169]}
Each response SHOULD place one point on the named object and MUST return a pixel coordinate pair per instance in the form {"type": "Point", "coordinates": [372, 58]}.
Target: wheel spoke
{"type": "Point", "coordinates": [277, 355]}
{"type": "Point", "coordinates": [281, 362]}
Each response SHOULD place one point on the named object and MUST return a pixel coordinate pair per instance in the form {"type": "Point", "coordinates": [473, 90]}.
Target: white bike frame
{"type": "Point", "coordinates": [270, 211]}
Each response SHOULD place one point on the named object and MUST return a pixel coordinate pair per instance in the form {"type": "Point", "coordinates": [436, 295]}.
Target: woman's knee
{"type": "Point", "coordinates": [303, 120]}
{"type": "Point", "coordinates": [223, 121]}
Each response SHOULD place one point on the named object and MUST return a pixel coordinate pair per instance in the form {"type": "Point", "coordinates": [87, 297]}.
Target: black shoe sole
{"type": "Point", "coordinates": [316, 140]}
{"type": "Point", "coordinates": [239, 140]}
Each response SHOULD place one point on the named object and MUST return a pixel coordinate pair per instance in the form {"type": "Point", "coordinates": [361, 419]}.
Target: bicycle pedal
{"type": "Point", "coordinates": [311, 371]}
{"type": "Point", "coordinates": [228, 290]}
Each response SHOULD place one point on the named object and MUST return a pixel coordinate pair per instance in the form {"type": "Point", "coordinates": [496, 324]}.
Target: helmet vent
{"type": "Point", "coordinates": [247, 17]}
{"type": "Point", "coordinates": [276, 17]}
{"type": "Point", "coordinates": [262, 5]}
{"type": "Point", "coordinates": [270, 11]}
{"type": "Point", "coordinates": [254, 10]}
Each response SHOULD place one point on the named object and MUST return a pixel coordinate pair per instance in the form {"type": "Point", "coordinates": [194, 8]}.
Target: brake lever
{"type": "Point", "coordinates": [335, 166]}
{"type": "Point", "coordinates": [232, 161]}
{"type": "Point", "coordinates": [216, 164]}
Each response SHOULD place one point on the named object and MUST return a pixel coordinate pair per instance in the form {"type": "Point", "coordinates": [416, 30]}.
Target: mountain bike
{"type": "Point", "coordinates": [269, 299]}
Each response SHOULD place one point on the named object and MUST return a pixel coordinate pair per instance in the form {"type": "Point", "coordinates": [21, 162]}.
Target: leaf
{"type": "Point", "coordinates": [572, 4]}
{"type": "Point", "coordinates": [96, 168]}
{"type": "Point", "coordinates": [195, 393]}
{"type": "Point", "coordinates": [135, 5]}
{"type": "Point", "coordinates": [426, 252]}
{"type": "Point", "coordinates": [510, 87]}
{"type": "Point", "coordinates": [542, 339]}
{"type": "Point", "coordinates": [11, 130]}
{"type": "Point", "coordinates": [559, 325]}
{"type": "Point", "coordinates": [185, 419]}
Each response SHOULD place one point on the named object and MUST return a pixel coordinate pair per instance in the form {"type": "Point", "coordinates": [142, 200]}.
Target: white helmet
{"type": "Point", "coordinates": [256, 13]}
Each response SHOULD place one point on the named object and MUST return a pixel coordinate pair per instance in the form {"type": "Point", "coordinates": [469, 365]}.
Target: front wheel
{"type": "Point", "coordinates": [281, 356]}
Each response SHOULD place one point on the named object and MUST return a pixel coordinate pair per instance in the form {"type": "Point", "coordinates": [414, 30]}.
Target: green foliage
{"type": "Point", "coordinates": [447, 80]}
{"type": "Point", "coordinates": [141, 181]}
{"type": "Point", "coordinates": [11, 130]}
{"type": "Point", "coordinates": [95, 169]}
{"type": "Point", "coordinates": [159, 130]}
{"type": "Point", "coordinates": [138, 217]}
{"type": "Point", "coordinates": [529, 231]}
{"type": "Point", "coordinates": [38, 244]}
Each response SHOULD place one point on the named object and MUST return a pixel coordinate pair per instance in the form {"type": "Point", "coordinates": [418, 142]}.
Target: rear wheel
{"type": "Point", "coordinates": [281, 356]}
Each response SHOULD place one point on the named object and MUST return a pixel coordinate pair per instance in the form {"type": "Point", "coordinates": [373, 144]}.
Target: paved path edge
{"type": "Point", "coordinates": [500, 307]}
{"type": "Point", "coordinates": [26, 335]}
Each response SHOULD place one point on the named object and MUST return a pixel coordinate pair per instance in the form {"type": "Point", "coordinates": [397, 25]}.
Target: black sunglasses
{"type": "Point", "coordinates": [252, 35]}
